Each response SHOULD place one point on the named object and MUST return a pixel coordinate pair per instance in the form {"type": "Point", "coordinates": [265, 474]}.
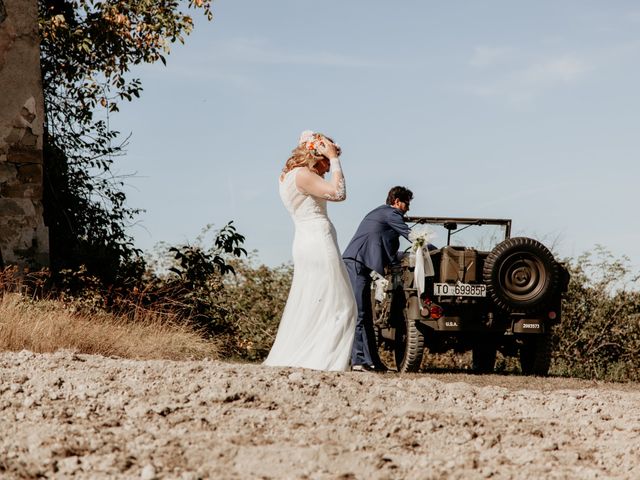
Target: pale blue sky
{"type": "Point", "coordinates": [521, 110]}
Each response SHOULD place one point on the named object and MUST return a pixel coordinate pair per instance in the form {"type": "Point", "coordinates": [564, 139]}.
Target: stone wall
{"type": "Point", "coordinates": [24, 238]}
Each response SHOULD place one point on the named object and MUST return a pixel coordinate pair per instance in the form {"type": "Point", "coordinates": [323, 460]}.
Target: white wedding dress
{"type": "Point", "coordinates": [318, 323]}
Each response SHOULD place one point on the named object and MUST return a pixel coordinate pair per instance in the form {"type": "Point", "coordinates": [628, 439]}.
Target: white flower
{"type": "Point", "coordinates": [420, 238]}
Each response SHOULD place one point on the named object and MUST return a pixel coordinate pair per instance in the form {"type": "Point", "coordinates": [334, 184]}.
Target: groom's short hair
{"type": "Point", "coordinates": [399, 193]}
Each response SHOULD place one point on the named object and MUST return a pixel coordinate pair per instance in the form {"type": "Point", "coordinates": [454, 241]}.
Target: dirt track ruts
{"type": "Point", "coordinates": [64, 415]}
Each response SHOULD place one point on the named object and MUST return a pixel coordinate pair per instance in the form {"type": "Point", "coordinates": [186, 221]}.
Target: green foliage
{"type": "Point", "coordinates": [238, 304]}
{"type": "Point", "coordinates": [229, 299]}
{"type": "Point", "coordinates": [197, 277]}
{"type": "Point", "coordinates": [87, 217]}
{"type": "Point", "coordinates": [87, 50]}
{"type": "Point", "coordinates": [196, 264]}
{"type": "Point", "coordinates": [255, 297]}
{"type": "Point", "coordinates": [599, 333]}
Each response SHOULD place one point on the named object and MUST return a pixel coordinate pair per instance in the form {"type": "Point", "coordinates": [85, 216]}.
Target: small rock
{"type": "Point", "coordinates": [465, 437]}
{"type": "Point", "coordinates": [69, 465]}
{"type": "Point", "coordinates": [148, 472]}
{"type": "Point", "coordinates": [314, 383]}
{"type": "Point", "coordinates": [16, 388]}
{"type": "Point", "coordinates": [137, 411]}
{"type": "Point", "coordinates": [296, 377]}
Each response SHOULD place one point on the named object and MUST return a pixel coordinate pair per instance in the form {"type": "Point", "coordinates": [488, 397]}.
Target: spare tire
{"type": "Point", "coordinates": [521, 275]}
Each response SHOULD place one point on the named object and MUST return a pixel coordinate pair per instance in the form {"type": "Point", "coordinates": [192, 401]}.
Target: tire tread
{"type": "Point", "coordinates": [493, 261]}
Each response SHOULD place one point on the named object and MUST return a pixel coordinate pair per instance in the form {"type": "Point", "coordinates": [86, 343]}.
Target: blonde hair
{"type": "Point", "coordinates": [301, 156]}
{"type": "Point", "coordinates": [305, 155]}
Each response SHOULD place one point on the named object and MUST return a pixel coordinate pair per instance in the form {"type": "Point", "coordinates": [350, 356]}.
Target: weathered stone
{"type": "Point", "coordinates": [29, 139]}
{"type": "Point", "coordinates": [7, 35]}
{"type": "Point", "coordinates": [8, 230]}
{"type": "Point", "coordinates": [8, 172]}
{"type": "Point", "coordinates": [23, 234]}
{"type": "Point", "coordinates": [29, 109]}
{"type": "Point", "coordinates": [30, 173]}
{"type": "Point", "coordinates": [14, 136]}
{"type": "Point", "coordinates": [23, 155]}
{"type": "Point", "coordinates": [22, 190]}
{"type": "Point", "coordinates": [21, 122]}
{"type": "Point", "coordinates": [9, 207]}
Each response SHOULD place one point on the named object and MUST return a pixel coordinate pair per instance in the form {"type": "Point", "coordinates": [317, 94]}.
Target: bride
{"type": "Point", "coordinates": [318, 323]}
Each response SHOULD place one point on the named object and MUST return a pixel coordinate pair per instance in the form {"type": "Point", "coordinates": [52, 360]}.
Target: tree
{"type": "Point", "coordinates": [88, 49]}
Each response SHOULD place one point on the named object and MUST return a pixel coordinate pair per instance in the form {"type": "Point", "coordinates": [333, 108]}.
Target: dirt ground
{"type": "Point", "coordinates": [66, 415]}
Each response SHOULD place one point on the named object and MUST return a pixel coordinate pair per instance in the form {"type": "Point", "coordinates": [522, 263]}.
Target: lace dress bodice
{"type": "Point", "coordinates": [301, 206]}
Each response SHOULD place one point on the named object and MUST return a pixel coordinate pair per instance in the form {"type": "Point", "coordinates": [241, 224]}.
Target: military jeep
{"type": "Point", "coordinates": [504, 296]}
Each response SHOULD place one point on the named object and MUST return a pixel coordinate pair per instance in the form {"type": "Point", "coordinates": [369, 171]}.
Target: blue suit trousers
{"type": "Point", "coordinates": [365, 350]}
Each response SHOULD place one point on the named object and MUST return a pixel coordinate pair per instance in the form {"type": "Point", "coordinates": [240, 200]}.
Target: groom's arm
{"type": "Point", "coordinates": [396, 221]}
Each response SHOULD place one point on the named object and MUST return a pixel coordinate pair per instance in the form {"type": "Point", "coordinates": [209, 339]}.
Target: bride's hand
{"type": "Point", "coordinates": [327, 148]}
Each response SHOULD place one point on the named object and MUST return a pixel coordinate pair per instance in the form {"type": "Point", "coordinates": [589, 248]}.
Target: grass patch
{"type": "Point", "coordinates": [48, 325]}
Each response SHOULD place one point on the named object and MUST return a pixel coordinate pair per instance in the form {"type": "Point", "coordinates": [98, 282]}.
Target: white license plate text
{"type": "Point", "coordinates": [459, 290]}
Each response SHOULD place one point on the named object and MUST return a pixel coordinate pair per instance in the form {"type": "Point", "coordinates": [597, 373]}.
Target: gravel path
{"type": "Point", "coordinates": [65, 415]}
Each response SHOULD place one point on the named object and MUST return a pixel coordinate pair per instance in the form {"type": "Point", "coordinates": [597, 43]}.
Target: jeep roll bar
{"type": "Point", "coordinates": [451, 223]}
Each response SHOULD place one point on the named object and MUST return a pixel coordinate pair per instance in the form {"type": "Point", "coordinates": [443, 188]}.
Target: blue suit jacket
{"type": "Point", "coordinates": [377, 239]}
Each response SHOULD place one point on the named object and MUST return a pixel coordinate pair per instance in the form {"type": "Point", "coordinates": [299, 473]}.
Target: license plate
{"type": "Point", "coordinates": [460, 290]}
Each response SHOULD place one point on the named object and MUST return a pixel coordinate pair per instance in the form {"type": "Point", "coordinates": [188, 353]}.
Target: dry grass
{"type": "Point", "coordinates": [47, 326]}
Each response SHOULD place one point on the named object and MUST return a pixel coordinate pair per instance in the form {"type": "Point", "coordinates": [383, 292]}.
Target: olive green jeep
{"type": "Point", "coordinates": [503, 294]}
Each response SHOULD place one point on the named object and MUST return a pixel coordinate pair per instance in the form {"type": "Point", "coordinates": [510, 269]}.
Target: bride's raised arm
{"type": "Point", "coordinates": [313, 184]}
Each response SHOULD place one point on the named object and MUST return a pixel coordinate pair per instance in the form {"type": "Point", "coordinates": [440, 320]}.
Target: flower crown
{"type": "Point", "coordinates": [420, 238]}
{"type": "Point", "coordinates": [311, 140]}
{"type": "Point", "coordinates": [312, 145]}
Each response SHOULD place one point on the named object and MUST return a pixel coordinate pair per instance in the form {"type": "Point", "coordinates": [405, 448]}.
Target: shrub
{"type": "Point", "coordinates": [235, 301]}
{"type": "Point", "coordinates": [599, 333]}
{"type": "Point", "coordinates": [186, 293]}
{"type": "Point", "coordinates": [255, 298]}
{"type": "Point", "coordinates": [235, 304]}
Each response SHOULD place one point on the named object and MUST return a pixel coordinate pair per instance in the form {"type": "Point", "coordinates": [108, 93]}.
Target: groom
{"type": "Point", "coordinates": [373, 247]}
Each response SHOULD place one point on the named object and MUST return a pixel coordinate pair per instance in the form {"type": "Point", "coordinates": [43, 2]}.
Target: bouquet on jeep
{"type": "Point", "coordinates": [424, 266]}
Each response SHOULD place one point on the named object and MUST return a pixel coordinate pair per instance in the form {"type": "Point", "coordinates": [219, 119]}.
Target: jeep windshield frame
{"type": "Point", "coordinates": [455, 225]}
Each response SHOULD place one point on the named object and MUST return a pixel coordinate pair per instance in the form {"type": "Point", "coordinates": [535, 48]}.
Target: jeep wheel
{"type": "Point", "coordinates": [521, 275]}
{"type": "Point", "coordinates": [409, 346]}
{"type": "Point", "coordinates": [402, 345]}
{"type": "Point", "coordinates": [535, 354]}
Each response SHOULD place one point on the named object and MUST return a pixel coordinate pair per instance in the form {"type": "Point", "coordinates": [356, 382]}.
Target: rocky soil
{"type": "Point", "coordinates": [67, 415]}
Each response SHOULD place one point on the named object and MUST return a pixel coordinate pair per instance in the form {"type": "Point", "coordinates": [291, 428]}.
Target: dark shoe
{"type": "Point", "coordinates": [363, 368]}
{"type": "Point", "coordinates": [369, 368]}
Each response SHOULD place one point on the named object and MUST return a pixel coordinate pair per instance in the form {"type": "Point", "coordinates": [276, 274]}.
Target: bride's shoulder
{"type": "Point", "coordinates": [303, 172]}
{"type": "Point", "coordinates": [286, 174]}
{"type": "Point", "coordinates": [304, 176]}
{"type": "Point", "coordinates": [295, 175]}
